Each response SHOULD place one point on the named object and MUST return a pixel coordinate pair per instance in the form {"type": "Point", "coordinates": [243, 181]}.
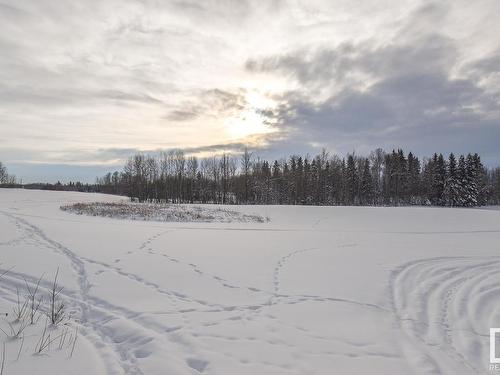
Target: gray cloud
{"type": "Point", "coordinates": [22, 95]}
{"type": "Point", "coordinates": [355, 63]}
{"type": "Point", "coordinates": [214, 101]}
{"type": "Point", "coordinates": [217, 148]}
{"type": "Point", "coordinates": [412, 100]}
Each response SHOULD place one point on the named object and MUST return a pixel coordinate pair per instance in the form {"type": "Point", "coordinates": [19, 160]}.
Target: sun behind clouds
{"type": "Point", "coordinates": [252, 119]}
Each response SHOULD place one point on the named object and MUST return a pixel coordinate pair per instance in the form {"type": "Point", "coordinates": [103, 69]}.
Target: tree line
{"type": "Point", "coordinates": [382, 178]}
{"type": "Point", "coordinates": [5, 178]}
{"type": "Point", "coordinates": [10, 181]}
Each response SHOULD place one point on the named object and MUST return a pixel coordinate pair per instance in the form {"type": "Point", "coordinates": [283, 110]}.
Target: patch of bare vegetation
{"type": "Point", "coordinates": [162, 212]}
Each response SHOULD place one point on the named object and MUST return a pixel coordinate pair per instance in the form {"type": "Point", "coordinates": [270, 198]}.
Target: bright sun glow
{"type": "Point", "coordinates": [250, 120]}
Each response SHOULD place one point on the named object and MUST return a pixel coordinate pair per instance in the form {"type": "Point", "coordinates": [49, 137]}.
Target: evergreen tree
{"type": "Point", "coordinates": [300, 181]}
{"type": "Point", "coordinates": [377, 169]}
{"type": "Point", "coordinates": [351, 181]}
{"type": "Point", "coordinates": [367, 186]}
{"type": "Point", "coordinates": [495, 186]}
{"type": "Point", "coordinates": [452, 194]}
{"type": "Point", "coordinates": [438, 179]}
{"type": "Point", "coordinates": [402, 188]}
{"type": "Point", "coordinates": [414, 179]}
{"type": "Point", "coordinates": [481, 179]}
{"type": "Point", "coordinates": [471, 192]}
{"type": "Point", "coordinates": [276, 184]}
{"type": "Point", "coordinates": [343, 182]}
{"type": "Point", "coordinates": [293, 181]}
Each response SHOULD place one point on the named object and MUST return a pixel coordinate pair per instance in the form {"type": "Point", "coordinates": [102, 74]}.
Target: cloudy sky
{"type": "Point", "coordinates": [84, 84]}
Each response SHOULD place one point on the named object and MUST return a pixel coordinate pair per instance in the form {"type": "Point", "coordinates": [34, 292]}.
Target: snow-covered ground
{"type": "Point", "coordinates": [316, 290]}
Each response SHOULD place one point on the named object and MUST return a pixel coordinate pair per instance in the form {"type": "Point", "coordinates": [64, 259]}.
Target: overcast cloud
{"type": "Point", "coordinates": [86, 83]}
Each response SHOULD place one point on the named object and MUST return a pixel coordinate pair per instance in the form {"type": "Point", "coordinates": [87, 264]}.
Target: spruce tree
{"type": "Point", "coordinates": [438, 179]}
{"type": "Point", "coordinates": [481, 179]}
{"type": "Point", "coordinates": [462, 180]}
{"type": "Point", "coordinates": [452, 193]}
{"type": "Point", "coordinates": [496, 186]}
{"type": "Point", "coordinates": [367, 185]}
{"type": "Point", "coordinates": [471, 191]}
{"type": "Point", "coordinates": [351, 180]}
{"type": "Point", "coordinates": [414, 184]}
{"type": "Point", "coordinates": [402, 177]}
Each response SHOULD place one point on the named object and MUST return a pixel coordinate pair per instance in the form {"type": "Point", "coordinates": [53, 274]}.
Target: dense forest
{"type": "Point", "coordinates": [393, 178]}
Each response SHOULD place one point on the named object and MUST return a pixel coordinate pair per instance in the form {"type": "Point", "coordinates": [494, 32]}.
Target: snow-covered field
{"type": "Point", "coordinates": [316, 290]}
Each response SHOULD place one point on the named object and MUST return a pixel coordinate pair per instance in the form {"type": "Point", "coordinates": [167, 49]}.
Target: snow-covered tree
{"type": "Point", "coordinates": [452, 194]}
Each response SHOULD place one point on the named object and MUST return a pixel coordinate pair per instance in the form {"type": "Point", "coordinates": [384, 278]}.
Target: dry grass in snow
{"type": "Point", "coordinates": [162, 212]}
